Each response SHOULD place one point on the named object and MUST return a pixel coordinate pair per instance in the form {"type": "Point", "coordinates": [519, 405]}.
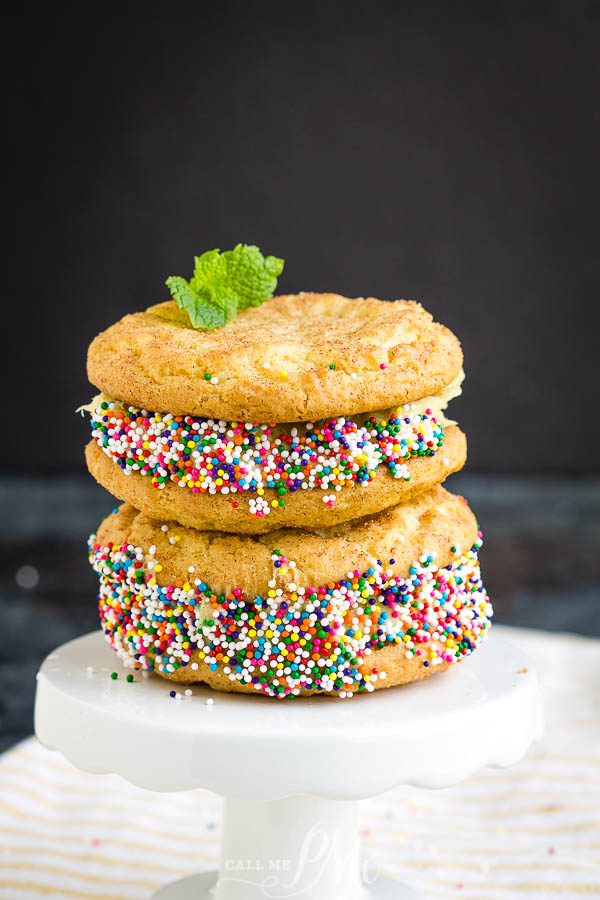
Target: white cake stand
{"type": "Point", "coordinates": [291, 771]}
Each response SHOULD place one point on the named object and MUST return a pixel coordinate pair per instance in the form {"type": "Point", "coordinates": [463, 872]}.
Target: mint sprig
{"type": "Point", "coordinates": [225, 283]}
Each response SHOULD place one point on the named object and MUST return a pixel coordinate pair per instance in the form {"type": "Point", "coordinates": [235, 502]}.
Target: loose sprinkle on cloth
{"type": "Point", "coordinates": [531, 831]}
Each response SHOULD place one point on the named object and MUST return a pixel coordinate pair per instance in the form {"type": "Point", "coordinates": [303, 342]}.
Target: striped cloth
{"type": "Point", "coordinates": [530, 831]}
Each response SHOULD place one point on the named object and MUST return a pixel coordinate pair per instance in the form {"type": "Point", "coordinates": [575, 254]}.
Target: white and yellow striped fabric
{"type": "Point", "coordinates": [531, 831]}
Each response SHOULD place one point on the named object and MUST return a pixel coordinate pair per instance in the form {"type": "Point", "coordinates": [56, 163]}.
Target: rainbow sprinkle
{"type": "Point", "coordinates": [214, 456]}
{"type": "Point", "coordinates": [293, 639]}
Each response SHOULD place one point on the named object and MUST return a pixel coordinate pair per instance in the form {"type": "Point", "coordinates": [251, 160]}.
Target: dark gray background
{"type": "Point", "coordinates": [444, 152]}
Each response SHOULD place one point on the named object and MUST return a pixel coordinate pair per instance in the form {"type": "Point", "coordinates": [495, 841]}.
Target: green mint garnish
{"type": "Point", "coordinates": [225, 283]}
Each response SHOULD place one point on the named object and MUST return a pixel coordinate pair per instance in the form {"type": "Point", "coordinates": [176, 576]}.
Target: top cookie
{"type": "Point", "coordinates": [295, 358]}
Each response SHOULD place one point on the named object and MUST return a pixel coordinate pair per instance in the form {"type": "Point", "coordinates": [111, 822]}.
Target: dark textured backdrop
{"type": "Point", "coordinates": [432, 151]}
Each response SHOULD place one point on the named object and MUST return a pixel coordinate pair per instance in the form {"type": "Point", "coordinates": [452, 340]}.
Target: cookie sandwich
{"type": "Point", "coordinates": [305, 411]}
{"type": "Point", "coordinates": [284, 531]}
{"type": "Point", "coordinates": [376, 602]}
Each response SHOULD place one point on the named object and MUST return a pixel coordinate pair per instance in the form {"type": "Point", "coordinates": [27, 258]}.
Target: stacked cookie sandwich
{"type": "Point", "coordinates": [284, 529]}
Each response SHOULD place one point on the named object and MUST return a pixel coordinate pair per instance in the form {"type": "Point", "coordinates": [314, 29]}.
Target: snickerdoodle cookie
{"type": "Point", "coordinates": [296, 358]}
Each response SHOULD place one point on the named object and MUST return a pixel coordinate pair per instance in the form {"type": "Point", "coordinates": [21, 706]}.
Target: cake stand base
{"type": "Point", "coordinates": [301, 846]}
{"type": "Point", "coordinates": [202, 887]}
{"type": "Point", "coordinates": [290, 771]}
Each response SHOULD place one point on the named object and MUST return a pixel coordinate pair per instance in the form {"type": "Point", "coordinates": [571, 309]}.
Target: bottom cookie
{"type": "Point", "coordinates": [373, 603]}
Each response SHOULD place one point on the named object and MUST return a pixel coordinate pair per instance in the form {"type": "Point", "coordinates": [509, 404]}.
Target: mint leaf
{"type": "Point", "coordinates": [210, 271]}
{"type": "Point", "coordinates": [182, 293]}
{"type": "Point", "coordinates": [254, 276]}
{"type": "Point", "coordinates": [202, 311]}
{"type": "Point", "coordinates": [224, 283]}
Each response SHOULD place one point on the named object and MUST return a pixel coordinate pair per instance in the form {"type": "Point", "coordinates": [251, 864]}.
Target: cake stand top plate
{"type": "Point", "coordinates": [434, 733]}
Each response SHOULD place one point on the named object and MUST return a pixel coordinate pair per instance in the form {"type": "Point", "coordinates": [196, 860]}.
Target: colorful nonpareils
{"type": "Point", "coordinates": [296, 639]}
{"type": "Point", "coordinates": [208, 456]}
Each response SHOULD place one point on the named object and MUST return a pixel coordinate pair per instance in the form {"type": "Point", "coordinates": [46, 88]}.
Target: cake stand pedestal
{"type": "Point", "coordinates": [291, 771]}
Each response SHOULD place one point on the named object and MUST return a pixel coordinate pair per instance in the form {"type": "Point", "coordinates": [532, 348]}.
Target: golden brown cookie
{"type": "Point", "coordinates": [295, 358]}
{"type": "Point", "coordinates": [370, 603]}
{"type": "Point", "coordinates": [303, 509]}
